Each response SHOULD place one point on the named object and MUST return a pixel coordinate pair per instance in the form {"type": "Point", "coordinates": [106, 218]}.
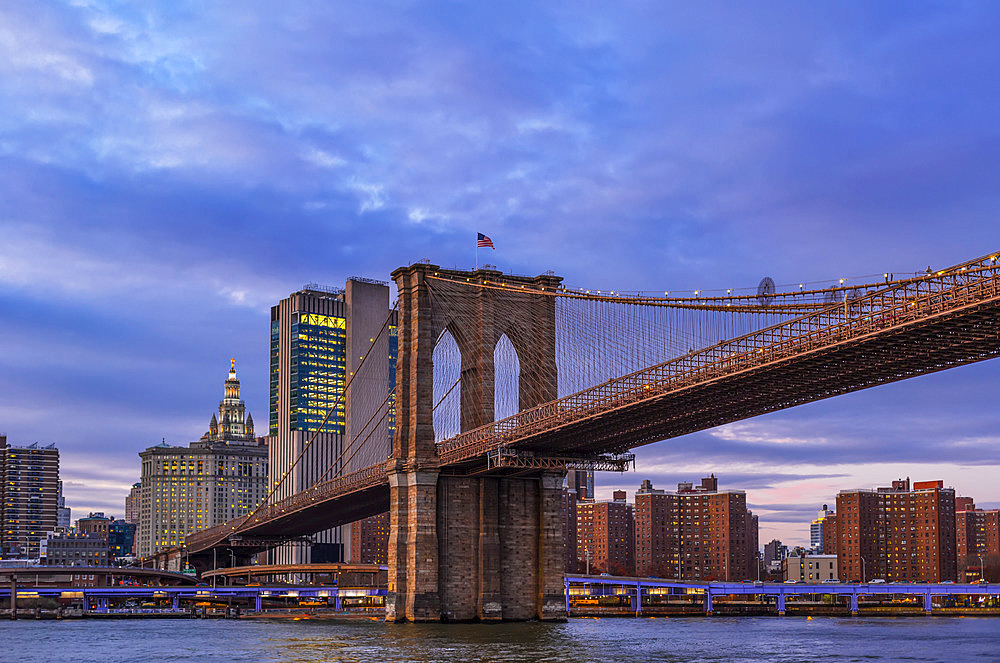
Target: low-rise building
{"type": "Point", "coordinates": [810, 568]}
{"type": "Point", "coordinates": [76, 549]}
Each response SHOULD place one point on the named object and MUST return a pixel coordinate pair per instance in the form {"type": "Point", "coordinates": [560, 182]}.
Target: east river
{"type": "Point", "coordinates": [785, 639]}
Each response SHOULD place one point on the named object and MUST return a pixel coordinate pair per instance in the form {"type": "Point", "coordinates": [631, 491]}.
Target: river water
{"type": "Point", "coordinates": [784, 639]}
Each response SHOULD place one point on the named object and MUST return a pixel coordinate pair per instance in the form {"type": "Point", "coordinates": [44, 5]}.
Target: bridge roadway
{"type": "Point", "coordinates": [948, 319]}
{"type": "Point", "coordinates": [780, 591]}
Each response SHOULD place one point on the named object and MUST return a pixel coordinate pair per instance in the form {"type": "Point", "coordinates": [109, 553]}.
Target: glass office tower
{"type": "Point", "coordinates": [318, 337]}
{"type": "Point", "coordinates": [317, 356]}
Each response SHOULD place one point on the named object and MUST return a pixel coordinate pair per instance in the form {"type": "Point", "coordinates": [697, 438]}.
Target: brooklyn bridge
{"type": "Point", "coordinates": [474, 472]}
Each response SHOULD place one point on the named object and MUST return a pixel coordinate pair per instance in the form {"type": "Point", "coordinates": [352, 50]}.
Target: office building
{"type": "Point", "coordinates": [897, 533]}
{"type": "Point", "coordinates": [132, 503]}
{"type": "Point", "coordinates": [318, 339]}
{"type": "Point", "coordinates": [569, 530]}
{"type": "Point", "coordinates": [94, 523]}
{"type": "Point", "coordinates": [774, 553]}
{"type": "Point", "coordinates": [30, 507]}
{"type": "Point", "coordinates": [696, 533]}
{"type": "Point", "coordinates": [581, 482]}
{"type": "Point", "coordinates": [809, 568]}
{"type": "Point", "coordinates": [605, 535]}
{"type": "Point", "coordinates": [816, 530]}
{"type": "Point", "coordinates": [75, 549]}
{"type": "Point", "coordinates": [64, 514]}
{"type": "Point", "coordinates": [118, 535]}
{"type": "Point", "coordinates": [121, 539]}
{"type": "Point", "coordinates": [220, 477]}
{"type": "Point", "coordinates": [977, 541]}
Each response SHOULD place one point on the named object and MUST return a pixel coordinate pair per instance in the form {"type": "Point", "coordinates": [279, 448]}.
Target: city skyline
{"type": "Point", "coordinates": [172, 173]}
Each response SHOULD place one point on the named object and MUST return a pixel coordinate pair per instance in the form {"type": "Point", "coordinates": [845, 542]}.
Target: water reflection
{"type": "Point", "coordinates": [782, 640]}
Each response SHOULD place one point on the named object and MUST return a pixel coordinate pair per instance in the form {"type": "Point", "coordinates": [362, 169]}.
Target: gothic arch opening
{"type": "Point", "coordinates": [447, 361]}
{"type": "Point", "coordinates": [506, 379]}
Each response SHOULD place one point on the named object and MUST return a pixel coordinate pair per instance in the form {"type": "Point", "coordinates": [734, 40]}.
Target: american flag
{"type": "Point", "coordinates": [483, 241]}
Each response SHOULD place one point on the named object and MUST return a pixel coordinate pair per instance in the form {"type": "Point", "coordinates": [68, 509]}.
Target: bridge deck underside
{"type": "Point", "coordinates": [317, 516]}
{"type": "Point", "coordinates": [961, 336]}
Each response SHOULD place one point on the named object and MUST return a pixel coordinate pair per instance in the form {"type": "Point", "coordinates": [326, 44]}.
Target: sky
{"type": "Point", "coordinates": [169, 170]}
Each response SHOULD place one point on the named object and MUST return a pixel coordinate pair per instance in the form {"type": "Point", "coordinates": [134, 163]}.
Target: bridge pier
{"type": "Point", "coordinates": [413, 547]}
{"type": "Point", "coordinates": [781, 603]}
{"type": "Point", "coordinates": [465, 548]}
{"type": "Point", "coordinates": [854, 604]}
{"type": "Point", "coordinates": [489, 603]}
{"type": "Point", "coordinates": [928, 603]}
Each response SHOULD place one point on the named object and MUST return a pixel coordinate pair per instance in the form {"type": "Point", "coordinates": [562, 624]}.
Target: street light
{"type": "Point", "coordinates": [982, 570]}
{"type": "Point", "coordinates": [863, 578]}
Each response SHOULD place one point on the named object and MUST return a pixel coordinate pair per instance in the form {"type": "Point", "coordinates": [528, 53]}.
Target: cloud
{"type": "Point", "coordinates": [171, 170]}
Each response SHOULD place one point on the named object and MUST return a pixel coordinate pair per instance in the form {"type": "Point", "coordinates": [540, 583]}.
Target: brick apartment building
{"type": "Point", "coordinates": [897, 533]}
{"type": "Point", "coordinates": [605, 533]}
{"type": "Point", "coordinates": [370, 540]}
{"type": "Point", "coordinates": [696, 533]}
{"type": "Point", "coordinates": [977, 539]}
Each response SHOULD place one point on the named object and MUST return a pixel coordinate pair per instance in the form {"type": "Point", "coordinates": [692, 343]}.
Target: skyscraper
{"type": "Point", "coordinates": [30, 490]}
{"type": "Point", "coordinates": [221, 476]}
{"type": "Point", "coordinates": [318, 339]}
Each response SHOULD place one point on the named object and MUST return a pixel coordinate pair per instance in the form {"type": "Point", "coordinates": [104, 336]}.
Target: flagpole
{"type": "Point", "coordinates": [477, 252]}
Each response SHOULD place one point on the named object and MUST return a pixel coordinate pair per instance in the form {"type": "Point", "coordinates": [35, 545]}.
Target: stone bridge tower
{"type": "Point", "coordinates": [462, 546]}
